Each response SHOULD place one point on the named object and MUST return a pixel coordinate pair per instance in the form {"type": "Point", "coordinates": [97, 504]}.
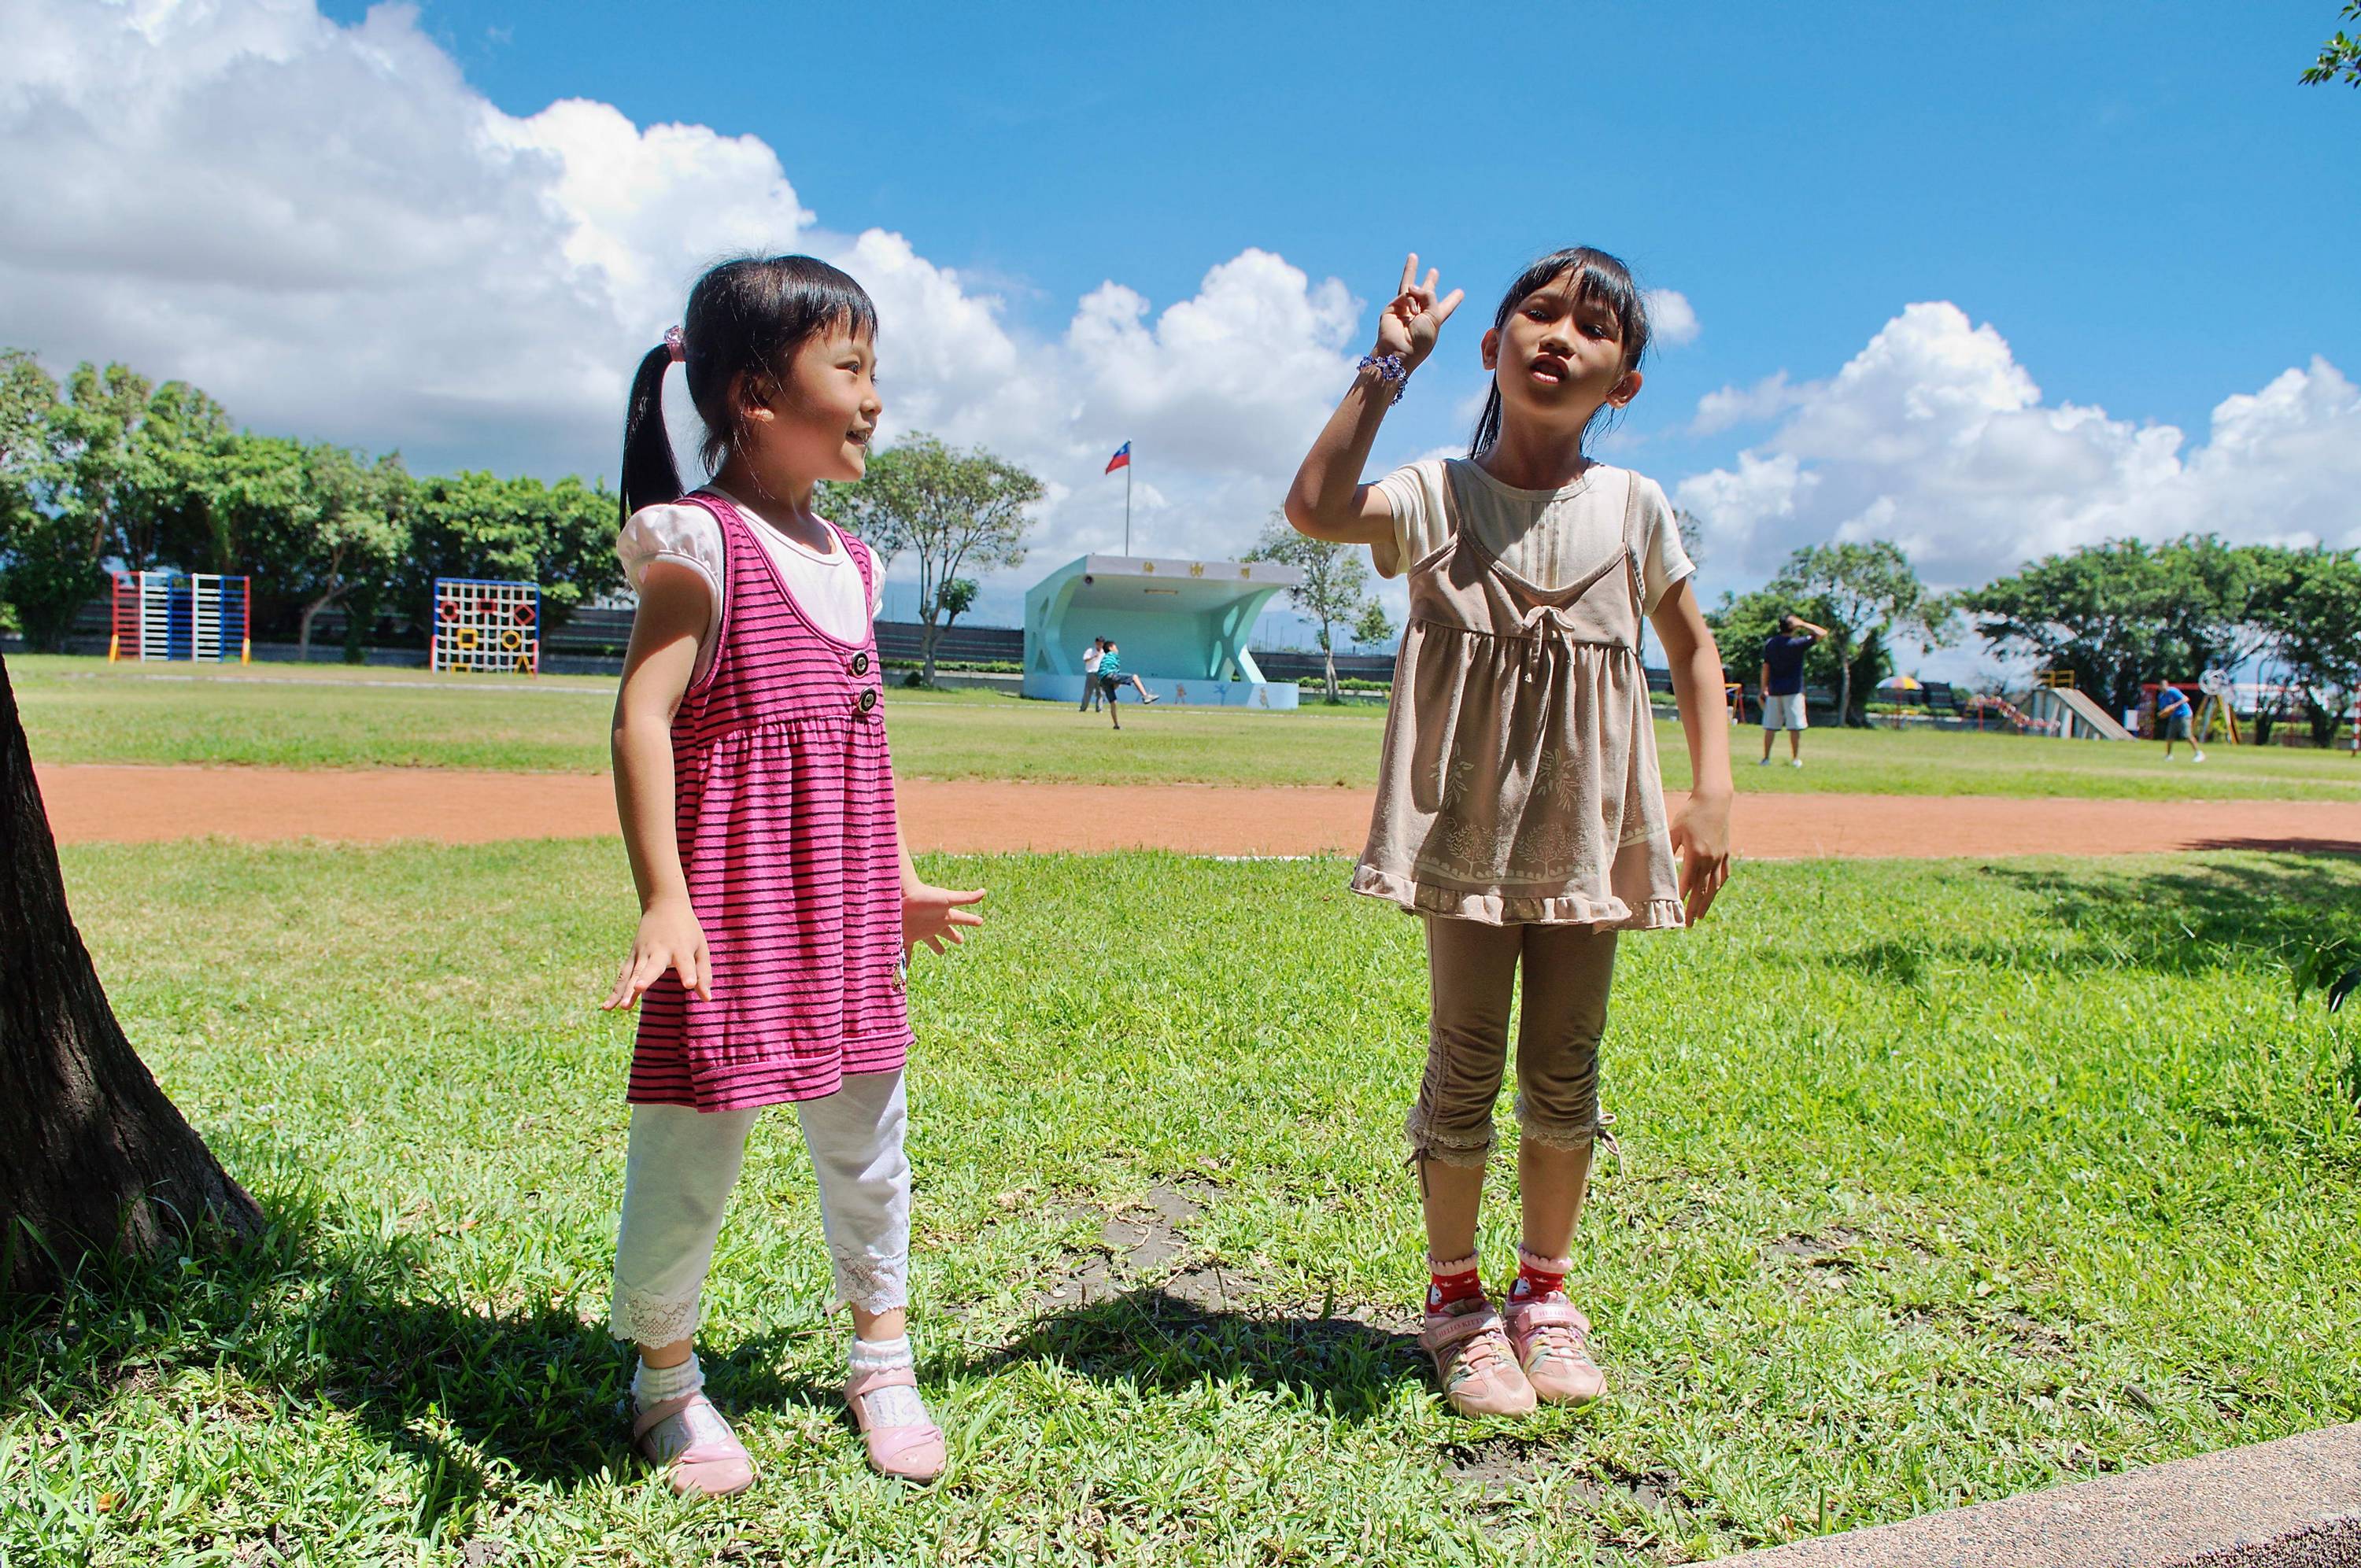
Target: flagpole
{"type": "Point", "coordinates": [1127, 508]}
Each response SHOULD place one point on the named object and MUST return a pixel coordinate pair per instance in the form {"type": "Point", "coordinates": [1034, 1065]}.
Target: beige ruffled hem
{"type": "Point", "coordinates": [1494, 908]}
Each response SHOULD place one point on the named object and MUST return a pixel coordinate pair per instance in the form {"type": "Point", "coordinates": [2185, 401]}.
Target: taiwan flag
{"type": "Point", "coordinates": [1122, 458]}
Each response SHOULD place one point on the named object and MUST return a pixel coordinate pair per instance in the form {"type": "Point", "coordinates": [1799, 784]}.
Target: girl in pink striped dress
{"type": "Point", "coordinates": [778, 904]}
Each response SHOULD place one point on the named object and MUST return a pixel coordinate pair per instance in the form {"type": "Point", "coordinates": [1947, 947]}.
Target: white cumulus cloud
{"type": "Point", "coordinates": [1935, 437]}
{"type": "Point", "coordinates": [329, 229]}
{"type": "Point", "coordinates": [1671, 320]}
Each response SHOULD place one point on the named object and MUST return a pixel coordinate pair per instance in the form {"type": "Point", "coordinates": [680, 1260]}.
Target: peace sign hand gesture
{"type": "Point", "coordinates": [1414, 317]}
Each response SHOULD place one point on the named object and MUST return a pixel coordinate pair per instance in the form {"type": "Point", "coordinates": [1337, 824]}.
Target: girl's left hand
{"type": "Point", "coordinates": [932, 915]}
{"type": "Point", "coordinates": [1701, 838]}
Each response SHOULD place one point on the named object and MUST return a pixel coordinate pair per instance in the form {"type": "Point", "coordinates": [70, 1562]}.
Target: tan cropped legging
{"type": "Point", "coordinates": [1473, 966]}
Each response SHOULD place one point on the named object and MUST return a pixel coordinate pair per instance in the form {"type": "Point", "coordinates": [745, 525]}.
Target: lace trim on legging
{"type": "Point", "coordinates": [1426, 1143]}
{"type": "Point", "coordinates": [870, 1283]}
{"type": "Point", "coordinates": [656, 1320]}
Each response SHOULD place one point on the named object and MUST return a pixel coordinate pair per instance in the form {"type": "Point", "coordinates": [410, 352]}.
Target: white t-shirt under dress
{"type": "Point", "coordinates": [826, 587]}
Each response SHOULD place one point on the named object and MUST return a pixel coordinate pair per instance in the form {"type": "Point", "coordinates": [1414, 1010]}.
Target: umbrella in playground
{"type": "Point", "coordinates": [1900, 684]}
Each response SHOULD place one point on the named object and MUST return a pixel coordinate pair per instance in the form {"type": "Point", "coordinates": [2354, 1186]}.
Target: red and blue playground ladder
{"type": "Point", "coordinates": [203, 615]}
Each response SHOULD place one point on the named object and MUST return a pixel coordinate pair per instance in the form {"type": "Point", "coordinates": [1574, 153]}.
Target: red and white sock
{"type": "Point", "coordinates": [1539, 1277]}
{"type": "Point", "coordinates": [1450, 1284]}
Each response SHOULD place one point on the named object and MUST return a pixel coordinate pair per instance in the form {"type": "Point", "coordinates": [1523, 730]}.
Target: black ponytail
{"type": "Point", "coordinates": [1598, 278]}
{"type": "Point", "coordinates": [745, 323]}
{"type": "Point", "coordinates": [650, 477]}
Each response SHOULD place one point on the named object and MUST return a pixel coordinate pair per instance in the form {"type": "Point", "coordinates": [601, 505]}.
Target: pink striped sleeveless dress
{"type": "Point", "coordinates": [784, 794]}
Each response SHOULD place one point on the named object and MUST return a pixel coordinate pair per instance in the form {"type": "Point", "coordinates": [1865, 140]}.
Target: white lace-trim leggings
{"type": "Point", "coordinates": [677, 1181]}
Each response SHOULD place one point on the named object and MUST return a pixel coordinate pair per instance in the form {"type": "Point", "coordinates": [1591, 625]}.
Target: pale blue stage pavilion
{"type": "Point", "coordinates": [1183, 626]}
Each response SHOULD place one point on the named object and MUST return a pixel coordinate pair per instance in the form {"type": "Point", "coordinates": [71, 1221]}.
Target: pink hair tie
{"type": "Point", "coordinates": [674, 341]}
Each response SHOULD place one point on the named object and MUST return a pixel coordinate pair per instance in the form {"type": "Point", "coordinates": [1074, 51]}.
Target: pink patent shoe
{"type": "Point", "coordinates": [689, 1438]}
{"type": "Point", "coordinates": [910, 1452]}
{"type": "Point", "coordinates": [1552, 1344]}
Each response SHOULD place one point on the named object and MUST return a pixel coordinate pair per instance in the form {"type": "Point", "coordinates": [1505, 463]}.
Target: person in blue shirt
{"type": "Point", "coordinates": [1782, 683]}
{"type": "Point", "coordinates": [1112, 676]}
{"type": "Point", "coordinates": [2172, 722]}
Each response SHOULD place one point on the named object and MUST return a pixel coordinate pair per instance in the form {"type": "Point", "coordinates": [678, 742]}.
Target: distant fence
{"type": "Point", "coordinates": [1307, 667]}
{"type": "Point", "coordinates": [591, 641]}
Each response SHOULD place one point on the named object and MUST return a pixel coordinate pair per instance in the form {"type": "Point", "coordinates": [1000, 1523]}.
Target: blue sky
{"type": "Point", "coordinates": [2041, 276]}
{"type": "Point", "coordinates": [2139, 197]}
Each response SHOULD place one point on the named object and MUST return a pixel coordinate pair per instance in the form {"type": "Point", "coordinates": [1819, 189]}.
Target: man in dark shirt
{"type": "Point", "coordinates": [1782, 684]}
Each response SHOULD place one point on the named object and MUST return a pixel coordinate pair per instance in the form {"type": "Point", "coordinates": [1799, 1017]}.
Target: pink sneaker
{"type": "Point", "coordinates": [689, 1437]}
{"type": "Point", "coordinates": [911, 1453]}
{"type": "Point", "coordinates": [1552, 1344]}
{"type": "Point", "coordinates": [1475, 1362]}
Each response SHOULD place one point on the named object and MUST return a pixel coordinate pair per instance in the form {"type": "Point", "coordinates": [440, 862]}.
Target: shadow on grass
{"type": "Point", "coordinates": [2180, 921]}
{"type": "Point", "coordinates": [1346, 1367]}
{"type": "Point", "coordinates": [468, 1392]}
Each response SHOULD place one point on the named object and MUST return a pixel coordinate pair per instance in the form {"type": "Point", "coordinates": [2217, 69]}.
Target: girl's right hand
{"type": "Point", "coordinates": [669, 938]}
{"type": "Point", "coordinates": [1413, 319]}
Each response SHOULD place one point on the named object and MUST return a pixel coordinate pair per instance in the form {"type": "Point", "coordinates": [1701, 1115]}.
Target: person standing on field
{"type": "Point", "coordinates": [1519, 808]}
{"type": "Point", "coordinates": [779, 906]}
{"type": "Point", "coordinates": [2172, 720]}
{"type": "Point", "coordinates": [1091, 657]}
{"type": "Point", "coordinates": [1782, 683]}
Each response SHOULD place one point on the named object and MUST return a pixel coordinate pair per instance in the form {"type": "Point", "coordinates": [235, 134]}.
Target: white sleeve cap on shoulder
{"type": "Point", "coordinates": [1663, 560]}
{"type": "Point", "coordinates": [1414, 492]}
{"type": "Point", "coordinates": [676, 530]}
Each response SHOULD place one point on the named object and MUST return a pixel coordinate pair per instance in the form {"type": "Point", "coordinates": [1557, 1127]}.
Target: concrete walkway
{"type": "Point", "coordinates": [2295, 1503]}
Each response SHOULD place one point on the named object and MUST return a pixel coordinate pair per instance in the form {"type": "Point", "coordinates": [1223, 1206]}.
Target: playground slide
{"type": "Point", "coordinates": [2092, 714]}
{"type": "Point", "coordinates": [2017, 718]}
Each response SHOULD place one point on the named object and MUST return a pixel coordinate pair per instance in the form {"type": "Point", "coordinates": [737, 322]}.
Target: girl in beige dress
{"type": "Point", "coordinates": [1520, 811]}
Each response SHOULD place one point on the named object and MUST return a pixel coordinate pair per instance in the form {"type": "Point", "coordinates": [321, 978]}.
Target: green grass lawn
{"type": "Point", "coordinates": [1937, 1182]}
{"type": "Point", "coordinates": [82, 710]}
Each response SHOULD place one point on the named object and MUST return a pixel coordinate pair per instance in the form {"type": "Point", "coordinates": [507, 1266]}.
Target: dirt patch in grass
{"type": "Point", "coordinates": [1143, 1242]}
{"type": "Point", "coordinates": [1504, 1464]}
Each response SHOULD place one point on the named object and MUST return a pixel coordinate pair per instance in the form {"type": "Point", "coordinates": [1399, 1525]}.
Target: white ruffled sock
{"type": "Point", "coordinates": [888, 1406]}
{"type": "Point", "coordinates": [654, 1384]}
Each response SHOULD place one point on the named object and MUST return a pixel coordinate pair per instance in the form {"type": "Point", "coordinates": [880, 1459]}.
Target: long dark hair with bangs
{"type": "Point", "coordinates": [746, 318]}
{"type": "Point", "coordinates": [1598, 278]}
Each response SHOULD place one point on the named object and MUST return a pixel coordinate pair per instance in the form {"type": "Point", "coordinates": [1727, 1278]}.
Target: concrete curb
{"type": "Point", "coordinates": [2295, 1503]}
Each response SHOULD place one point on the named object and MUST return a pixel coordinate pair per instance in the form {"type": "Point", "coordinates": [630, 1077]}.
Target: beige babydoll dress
{"type": "Point", "coordinates": [1518, 783]}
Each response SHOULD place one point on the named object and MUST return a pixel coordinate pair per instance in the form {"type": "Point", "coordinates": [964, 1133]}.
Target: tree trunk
{"type": "Point", "coordinates": [98, 1159]}
{"type": "Point", "coordinates": [1328, 657]}
{"type": "Point", "coordinates": [303, 626]}
{"type": "Point", "coordinates": [927, 649]}
{"type": "Point", "coordinates": [1844, 682]}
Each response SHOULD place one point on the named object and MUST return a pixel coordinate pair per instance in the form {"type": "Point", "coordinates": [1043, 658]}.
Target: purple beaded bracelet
{"type": "Point", "coordinates": [1390, 368]}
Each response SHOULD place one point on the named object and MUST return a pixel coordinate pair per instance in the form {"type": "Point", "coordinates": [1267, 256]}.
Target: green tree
{"type": "Point", "coordinates": [956, 598]}
{"type": "Point", "coordinates": [1334, 588]}
{"type": "Point", "coordinates": [2212, 595]}
{"type": "Point", "coordinates": [1373, 627]}
{"type": "Point", "coordinates": [2312, 623]}
{"type": "Point", "coordinates": [347, 534]}
{"type": "Point", "coordinates": [956, 511]}
{"type": "Point", "coordinates": [2125, 611]}
{"type": "Point", "coordinates": [28, 399]}
{"type": "Point", "coordinates": [2340, 56]}
{"type": "Point", "coordinates": [128, 450]}
{"type": "Point", "coordinates": [1863, 593]}
{"type": "Point", "coordinates": [474, 524]}
{"type": "Point", "coordinates": [109, 482]}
